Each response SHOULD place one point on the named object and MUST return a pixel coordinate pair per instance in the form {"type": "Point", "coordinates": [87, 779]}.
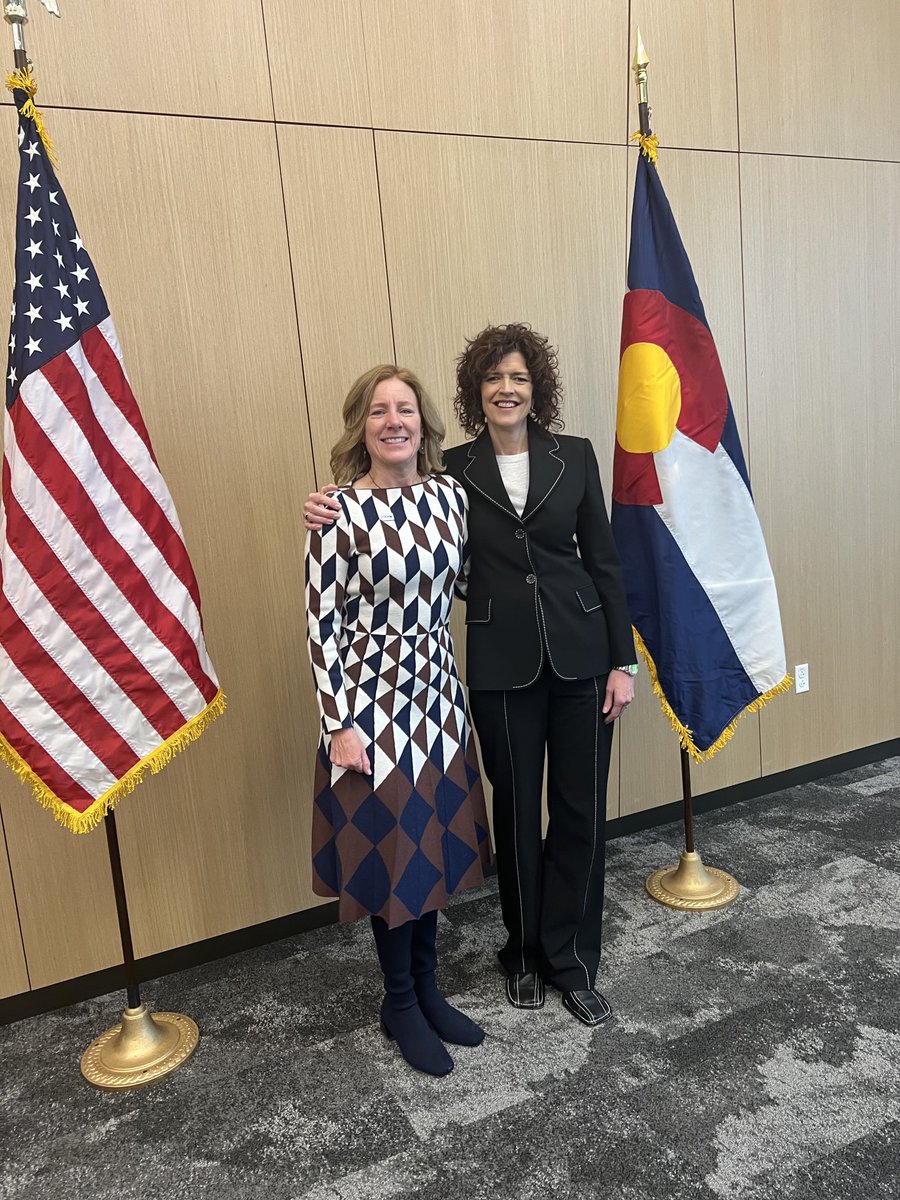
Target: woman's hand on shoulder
{"type": "Point", "coordinates": [348, 751]}
{"type": "Point", "coordinates": [321, 509]}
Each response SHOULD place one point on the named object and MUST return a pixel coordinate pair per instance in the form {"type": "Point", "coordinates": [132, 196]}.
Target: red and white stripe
{"type": "Point", "coordinates": [103, 657]}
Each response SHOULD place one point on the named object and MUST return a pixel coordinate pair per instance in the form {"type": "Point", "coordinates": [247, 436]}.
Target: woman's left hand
{"type": "Point", "coordinates": [619, 694]}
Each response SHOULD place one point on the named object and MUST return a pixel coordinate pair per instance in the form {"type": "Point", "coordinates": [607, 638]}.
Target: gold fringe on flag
{"type": "Point", "coordinates": [77, 822]}
{"type": "Point", "coordinates": [649, 144]}
{"type": "Point", "coordinates": [685, 736]}
{"type": "Point", "coordinates": [23, 81]}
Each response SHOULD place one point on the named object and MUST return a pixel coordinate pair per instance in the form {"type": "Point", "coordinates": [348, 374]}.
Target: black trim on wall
{"type": "Point", "coordinates": [751, 789]}
{"type": "Point", "coordinates": [99, 983]}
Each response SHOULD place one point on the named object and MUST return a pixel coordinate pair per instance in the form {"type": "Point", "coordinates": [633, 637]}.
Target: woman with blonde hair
{"type": "Point", "coordinates": [399, 819]}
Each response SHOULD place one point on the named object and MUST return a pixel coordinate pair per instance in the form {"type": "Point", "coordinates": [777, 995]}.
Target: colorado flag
{"type": "Point", "coordinates": [700, 588]}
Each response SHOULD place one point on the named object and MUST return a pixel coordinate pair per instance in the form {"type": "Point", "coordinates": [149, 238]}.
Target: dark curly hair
{"type": "Point", "coordinates": [484, 351]}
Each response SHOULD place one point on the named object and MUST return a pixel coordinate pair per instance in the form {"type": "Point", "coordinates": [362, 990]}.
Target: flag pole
{"type": "Point", "coordinates": [639, 66]}
{"type": "Point", "coordinates": [15, 16]}
{"type": "Point", "coordinates": [144, 1046]}
{"type": "Point", "coordinates": [689, 886]}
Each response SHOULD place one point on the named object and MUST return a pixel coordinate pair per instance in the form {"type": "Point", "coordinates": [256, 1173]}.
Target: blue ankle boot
{"type": "Point", "coordinates": [401, 1017]}
{"type": "Point", "coordinates": [448, 1022]}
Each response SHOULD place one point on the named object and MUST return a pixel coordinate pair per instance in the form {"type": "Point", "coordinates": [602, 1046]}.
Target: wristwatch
{"type": "Point", "coordinates": [631, 669]}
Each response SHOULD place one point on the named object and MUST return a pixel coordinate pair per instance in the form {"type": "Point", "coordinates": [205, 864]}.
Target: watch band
{"type": "Point", "coordinates": [631, 669]}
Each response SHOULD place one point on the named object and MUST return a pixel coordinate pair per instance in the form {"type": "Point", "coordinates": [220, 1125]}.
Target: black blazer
{"type": "Point", "coordinates": [548, 582]}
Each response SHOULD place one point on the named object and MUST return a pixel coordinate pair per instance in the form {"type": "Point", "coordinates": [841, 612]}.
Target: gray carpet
{"type": "Point", "coordinates": [753, 1052]}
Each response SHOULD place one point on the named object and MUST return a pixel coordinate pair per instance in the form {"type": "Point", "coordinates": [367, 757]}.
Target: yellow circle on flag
{"type": "Point", "coordinates": [649, 399]}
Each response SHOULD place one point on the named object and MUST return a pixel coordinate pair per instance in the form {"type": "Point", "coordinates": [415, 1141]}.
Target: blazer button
{"type": "Point", "coordinates": [531, 579]}
{"type": "Point", "coordinates": [520, 533]}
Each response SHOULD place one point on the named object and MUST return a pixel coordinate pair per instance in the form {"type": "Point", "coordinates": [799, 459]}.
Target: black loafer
{"type": "Point", "coordinates": [588, 1006]}
{"type": "Point", "coordinates": [525, 990]}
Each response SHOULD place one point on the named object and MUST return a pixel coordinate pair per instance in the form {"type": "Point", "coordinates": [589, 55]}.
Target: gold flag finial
{"type": "Point", "coordinates": [640, 55]}
{"type": "Point", "coordinates": [639, 66]}
{"type": "Point", "coordinates": [649, 143]}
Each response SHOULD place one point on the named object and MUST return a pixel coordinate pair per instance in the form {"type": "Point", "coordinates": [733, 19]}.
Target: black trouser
{"type": "Point", "coordinates": [551, 896]}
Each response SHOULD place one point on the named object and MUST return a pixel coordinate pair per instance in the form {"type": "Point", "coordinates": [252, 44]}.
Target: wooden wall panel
{"type": "Point", "coordinates": [461, 255]}
{"type": "Point", "coordinates": [819, 78]}
{"type": "Point", "coordinates": [13, 971]}
{"type": "Point", "coordinates": [462, 252]}
{"type": "Point", "coordinates": [202, 58]}
{"type": "Point", "coordinates": [823, 293]}
{"type": "Point", "coordinates": [703, 190]}
{"type": "Point", "coordinates": [513, 68]}
{"type": "Point", "coordinates": [651, 756]}
{"type": "Point", "coordinates": [318, 61]}
{"type": "Point", "coordinates": [63, 888]}
{"type": "Point", "coordinates": [692, 79]}
{"type": "Point", "coordinates": [225, 841]}
{"type": "Point", "coordinates": [331, 195]}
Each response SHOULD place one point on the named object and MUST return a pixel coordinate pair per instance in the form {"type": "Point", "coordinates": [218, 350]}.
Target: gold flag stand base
{"type": "Point", "coordinates": [142, 1048]}
{"type": "Point", "coordinates": [692, 886]}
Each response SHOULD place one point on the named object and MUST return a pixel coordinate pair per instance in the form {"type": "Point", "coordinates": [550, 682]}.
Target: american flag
{"type": "Point", "coordinates": [103, 667]}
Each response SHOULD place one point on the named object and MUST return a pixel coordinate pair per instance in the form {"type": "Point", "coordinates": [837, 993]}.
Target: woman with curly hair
{"type": "Point", "coordinates": [549, 656]}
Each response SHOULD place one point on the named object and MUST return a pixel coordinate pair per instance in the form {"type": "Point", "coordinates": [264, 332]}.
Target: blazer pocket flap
{"type": "Point", "coordinates": [588, 597]}
{"type": "Point", "coordinates": [478, 612]}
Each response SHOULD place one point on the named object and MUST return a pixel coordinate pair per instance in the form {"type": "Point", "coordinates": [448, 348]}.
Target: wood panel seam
{"type": "Point", "coordinates": [12, 881]}
{"type": "Point", "coordinates": [365, 50]}
{"type": "Point", "coordinates": [265, 33]}
{"type": "Point", "coordinates": [759, 734]}
{"type": "Point", "coordinates": [628, 92]}
{"type": "Point", "coordinates": [737, 79]}
{"type": "Point", "coordinates": [290, 254]}
{"type": "Point", "coordinates": [387, 273]}
{"type": "Point", "coordinates": [287, 235]}
{"type": "Point", "coordinates": [497, 137]}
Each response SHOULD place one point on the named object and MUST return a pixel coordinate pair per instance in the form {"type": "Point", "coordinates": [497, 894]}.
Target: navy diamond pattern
{"type": "Point", "coordinates": [417, 883]}
{"type": "Point", "coordinates": [373, 820]}
{"type": "Point", "coordinates": [416, 815]}
{"type": "Point", "coordinates": [458, 857]}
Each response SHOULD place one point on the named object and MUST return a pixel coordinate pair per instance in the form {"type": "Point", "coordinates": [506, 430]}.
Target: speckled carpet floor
{"type": "Point", "coordinates": [753, 1053]}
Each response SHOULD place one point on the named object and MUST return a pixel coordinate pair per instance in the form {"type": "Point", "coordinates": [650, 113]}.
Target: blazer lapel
{"type": "Point", "coordinates": [483, 473]}
{"type": "Point", "coordinates": [545, 468]}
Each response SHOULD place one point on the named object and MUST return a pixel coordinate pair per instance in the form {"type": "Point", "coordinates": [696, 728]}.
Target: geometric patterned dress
{"type": "Point", "coordinates": [379, 588]}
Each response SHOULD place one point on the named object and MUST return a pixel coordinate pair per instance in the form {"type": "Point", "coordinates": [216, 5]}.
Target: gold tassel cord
{"type": "Point", "coordinates": [685, 736]}
{"type": "Point", "coordinates": [23, 81]}
{"type": "Point", "coordinates": [649, 144]}
{"type": "Point", "coordinates": [84, 822]}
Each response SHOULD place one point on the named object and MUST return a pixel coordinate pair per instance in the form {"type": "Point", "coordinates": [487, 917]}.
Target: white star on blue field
{"type": "Point", "coordinates": [57, 295]}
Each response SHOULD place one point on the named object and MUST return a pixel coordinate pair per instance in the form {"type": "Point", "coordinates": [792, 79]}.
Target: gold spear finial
{"type": "Point", "coordinates": [640, 54]}
{"type": "Point", "coordinates": [639, 66]}
{"type": "Point", "coordinates": [648, 141]}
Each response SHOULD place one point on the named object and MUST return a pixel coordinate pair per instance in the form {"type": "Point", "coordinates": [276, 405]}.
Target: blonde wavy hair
{"type": "Point", "coordinates": [349, 456]}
